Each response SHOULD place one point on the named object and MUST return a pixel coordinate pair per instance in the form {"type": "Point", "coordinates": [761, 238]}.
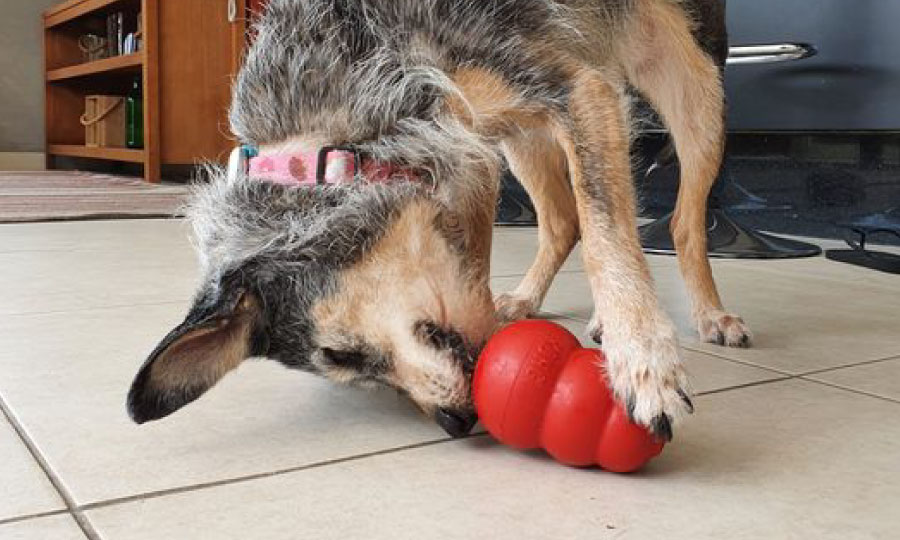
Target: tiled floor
{"type": "Point", "coordinates": [796, 438]}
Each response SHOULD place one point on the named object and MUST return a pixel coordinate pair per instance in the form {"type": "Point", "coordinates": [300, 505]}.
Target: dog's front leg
{"type": "Point", "coordinates": [644, 363]}
{"type": "Point", "coordinates": [539, 163]}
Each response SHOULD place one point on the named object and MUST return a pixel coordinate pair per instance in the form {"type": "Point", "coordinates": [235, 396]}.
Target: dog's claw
{"type": "Point", "coordinates": [687, 400]}
{"type": "Point", "coordinates": [662, 427]}
{"type": "Point", "coordinates": [595, 329]}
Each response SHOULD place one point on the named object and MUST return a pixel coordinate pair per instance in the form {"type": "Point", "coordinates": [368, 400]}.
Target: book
{"type": "Point", "coordinates": [133, 36]}
{"type": "Point", "coordinates": [115, 33]}
{"type": "Point", "coordinates": [110, 33]}
{"type": "Point", "coordinates": [120, 31]}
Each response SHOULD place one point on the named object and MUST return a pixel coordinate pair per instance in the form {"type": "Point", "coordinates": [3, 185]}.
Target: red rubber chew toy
{"type": "Point", "coordinates": [536, 387]}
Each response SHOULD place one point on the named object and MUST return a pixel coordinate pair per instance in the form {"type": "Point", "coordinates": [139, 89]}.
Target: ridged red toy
{"type": "Point", "coordinates": [536, 387]}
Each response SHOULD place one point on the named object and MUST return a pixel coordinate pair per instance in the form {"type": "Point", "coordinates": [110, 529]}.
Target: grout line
{"type": "Point", "coordinates": [48, 251]}
{"type": "Point", "coordinates": [29, 517]}
{"type": "Point", "coordinates": [104, 220]}
{"type": "Point", "coordinates": [793, 375]}
{"type": "Point", "coordinates": [848, 366]}
{"type": "Point", "coordinates": [77, 511]}
{"type": "Point", "coordinates": [57, 483]}
{"type": "Point", "coordinates": [804, 379]}
{"type": "Point", "coordinates": [101, 218]}
{"type": "Point", "coordinates": [95, 308]}
{"type": "Point", "coordinates": [851, 390]}
{"type": "Point", "coordinates": [745, 385]}
{"type": "Point", "coordinates": [271, 474]}
{"type": "Point", "coordinates": [737, 361]}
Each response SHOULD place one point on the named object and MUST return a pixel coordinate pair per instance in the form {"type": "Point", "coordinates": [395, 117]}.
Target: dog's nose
{"type": "Point", "coordinates": [457, 423]}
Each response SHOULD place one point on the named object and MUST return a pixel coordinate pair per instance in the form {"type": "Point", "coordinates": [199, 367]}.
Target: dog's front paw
{"type": "Point", "coordinates": [724, 329]}
{"type": "Point", "coordinates": [511, 307]}
{"type": "Point", "coordinates": [647, 375]}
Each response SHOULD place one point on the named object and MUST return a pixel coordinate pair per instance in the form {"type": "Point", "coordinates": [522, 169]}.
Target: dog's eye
{"type": "Point", "coordinates": [437, 337]}
{"type": "Point", "coordinates": [344, 359]}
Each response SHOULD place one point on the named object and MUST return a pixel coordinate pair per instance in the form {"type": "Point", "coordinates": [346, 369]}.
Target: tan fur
{"type": "Point", "coordinates": [644, 365]}
{"type": "Point", "coordinates": [683, 84]}
{"type": "Point", "coordinates": [489, 106]}
{"type": "Point", "coordinates": [374, 300]}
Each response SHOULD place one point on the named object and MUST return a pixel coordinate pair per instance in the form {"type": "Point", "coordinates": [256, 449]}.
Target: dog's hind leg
{"type": "Point", "coordinates": [683, 83]}
{"type": "Point", "coordinates": [539, 163]}
{"type": "Point", "coordinates": [643, 357]}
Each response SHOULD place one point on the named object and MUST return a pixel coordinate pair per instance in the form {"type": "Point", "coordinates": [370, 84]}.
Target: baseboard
{"type": "Point", "coordinates": [22, 161]}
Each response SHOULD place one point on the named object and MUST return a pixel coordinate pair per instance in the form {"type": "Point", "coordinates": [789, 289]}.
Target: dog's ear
{"type": "Point", "coordinates": [212, 341]}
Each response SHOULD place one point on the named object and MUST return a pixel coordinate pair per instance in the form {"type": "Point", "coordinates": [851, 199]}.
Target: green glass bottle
{"type": "Point", "coordinates": [134, 107]}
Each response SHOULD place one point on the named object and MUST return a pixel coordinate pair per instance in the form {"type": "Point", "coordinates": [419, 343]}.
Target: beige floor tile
{"type": "Point", "coordinates": [803, 323]}
{"type": "Point", "coordinates": [780, 460]}
{"type": "Point", "coordinates": [820, 267]}
{"type": "Point", "coordinates": [65, 377]}
{"type": "Point", "coordinates": [46, 267]}
{"type": "Point", "coordinates": [514, 249]}
{"type": "Point", "coordinates": [62, 527]}
{"type": "Point", "coordinates": [24, 488]}
{"type": "Point", "coordinates": [116, 235]}
{"type": "Point", "coordinates": [800, 323]}
{"type": "Point", "coordinates": [44, 281]}
{"type": "Point", "coordinates": [880, 378]}
{"type": "Point", "coordinates": [710, 373]}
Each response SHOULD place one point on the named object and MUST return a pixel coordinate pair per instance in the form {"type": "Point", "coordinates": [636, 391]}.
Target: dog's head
{"type": "Point", "coordinates": [364, 285]}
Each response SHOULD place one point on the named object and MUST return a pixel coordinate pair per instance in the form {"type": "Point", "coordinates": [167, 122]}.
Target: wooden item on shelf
{"type": "Point", "coordinates": [104, 121]}
{"type": "Point", "coordinates": [190, 51]}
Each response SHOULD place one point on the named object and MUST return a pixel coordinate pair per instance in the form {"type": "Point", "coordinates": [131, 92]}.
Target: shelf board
{"type": "Point", "coordinates": [125, 63]}
{"type": "Point", "coordinates": [90, 152]}
{"type": "Point", "coordinates": [73, 9]}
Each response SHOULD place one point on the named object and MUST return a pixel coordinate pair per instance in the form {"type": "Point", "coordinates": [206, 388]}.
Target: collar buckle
{"type": "Point", "coordinates": [322, 164]}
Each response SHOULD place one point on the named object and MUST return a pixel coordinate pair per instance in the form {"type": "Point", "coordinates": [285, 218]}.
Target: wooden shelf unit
{"type": "Point", "coordinates": [191, 50]}
{"type": "Point", "coordinates": [89, 152]}
{"type": "Point", "coordinates": [130, 63]}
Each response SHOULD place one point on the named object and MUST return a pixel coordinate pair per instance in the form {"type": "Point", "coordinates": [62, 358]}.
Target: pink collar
{"type": "Point", "coordinates": [335, 166]}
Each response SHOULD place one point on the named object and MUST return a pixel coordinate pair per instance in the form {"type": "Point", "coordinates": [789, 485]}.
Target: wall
{"type": "Point", "coordinates": [21, 68]}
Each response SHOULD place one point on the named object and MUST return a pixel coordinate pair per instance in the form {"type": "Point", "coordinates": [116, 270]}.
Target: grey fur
{"type": "Point", "coordinates": [285, 248]}
{"type": "Point", "coordinates": [288, 245]}
{"type": "Point", "coordinates": [376, 73]}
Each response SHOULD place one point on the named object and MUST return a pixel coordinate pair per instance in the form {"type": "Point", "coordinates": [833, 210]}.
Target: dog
{"type": "Point", "coordinates": [386, 283]}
